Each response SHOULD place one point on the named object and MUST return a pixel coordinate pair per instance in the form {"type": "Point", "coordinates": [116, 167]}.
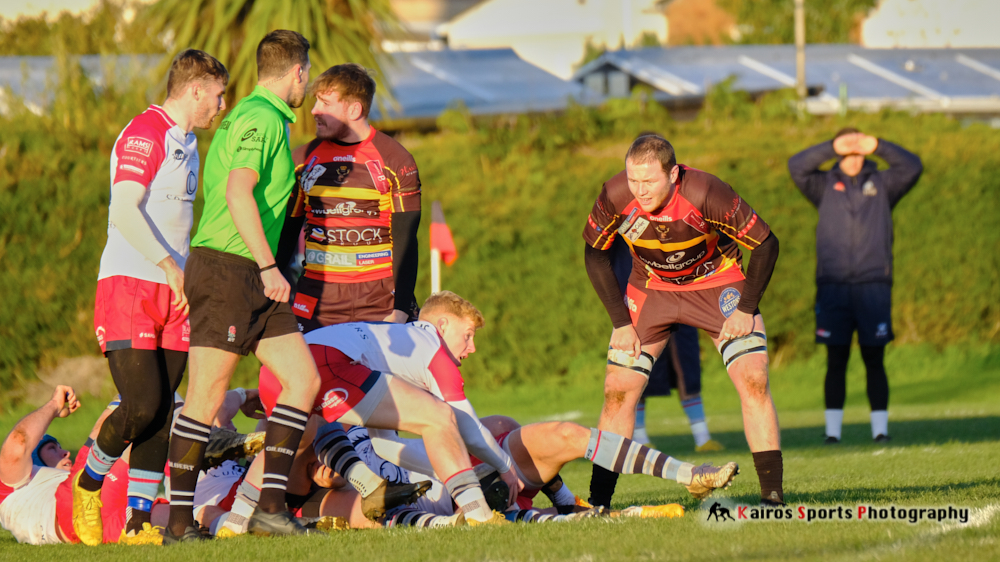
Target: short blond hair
{"type": "Point", "coordinates": [447, 302]}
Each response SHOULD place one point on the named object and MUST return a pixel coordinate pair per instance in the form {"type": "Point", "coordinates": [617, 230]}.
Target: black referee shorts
{"type": "Point", "coordinates": [842, 308]}
{"type": "Point", "coordinates": [228, 308]}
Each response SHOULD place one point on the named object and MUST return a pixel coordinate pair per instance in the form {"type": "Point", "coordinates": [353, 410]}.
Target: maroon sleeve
{"type": "Point", "coordinates": [140, 153]}
{"type": "Point", "coordinates": [400, 169]}
{"type": "Point", "coordinates": [731, 215]}
{"type": "Point", "coordinates": [604, 218]}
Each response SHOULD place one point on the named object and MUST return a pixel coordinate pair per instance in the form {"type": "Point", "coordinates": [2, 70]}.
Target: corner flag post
{"type": "Point", "coordinates": [442, 245]}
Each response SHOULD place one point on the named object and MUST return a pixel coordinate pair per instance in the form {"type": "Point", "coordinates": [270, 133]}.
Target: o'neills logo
{"type": "Point", "coordinates": [139, 144]}
{"type": "Point", "coordinates": [334, 397]}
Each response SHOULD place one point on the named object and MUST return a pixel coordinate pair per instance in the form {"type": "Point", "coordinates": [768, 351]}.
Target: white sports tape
{"type": "Point", "coordinates": [643, 365]}
{"type": "Point", "coordinates": [731, 350]}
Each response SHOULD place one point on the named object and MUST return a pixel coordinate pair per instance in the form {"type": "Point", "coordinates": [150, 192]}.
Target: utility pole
{"type": "Point", "coordinates": [800, 49]}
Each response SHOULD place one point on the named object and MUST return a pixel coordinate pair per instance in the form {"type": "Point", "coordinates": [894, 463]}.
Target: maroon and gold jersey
{"type": "Point", "coordinates": [678, 248]}
{"type": "Point", "coordinates": [348, 194]}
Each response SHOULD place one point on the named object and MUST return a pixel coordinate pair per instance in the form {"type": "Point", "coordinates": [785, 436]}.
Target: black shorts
{"type": "Point", "coordinates": [842, 308]}
{"type": "Point", "coordinates": [679, 363]}
{"type": "Point", "coordinates": [319, 304]}
{"type": "Point", "coordinates": [228, 308]}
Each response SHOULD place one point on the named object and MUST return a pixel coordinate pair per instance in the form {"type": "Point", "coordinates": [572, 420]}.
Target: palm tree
{"type": "Point", "coordinates": [338, 30]}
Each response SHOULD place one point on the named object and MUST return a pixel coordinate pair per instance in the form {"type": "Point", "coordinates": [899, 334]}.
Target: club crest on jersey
{"type": "Point", "coordinates": [341, 173]}
{"type": "Point", "coordinates": [728, 301]}
{"type": "Point", "coordinates": [334, 397]}
{"type": "Point", "coordinates": [139, 144]}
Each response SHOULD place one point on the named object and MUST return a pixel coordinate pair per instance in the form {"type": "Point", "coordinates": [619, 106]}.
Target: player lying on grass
{"type": "Point", "coordinates": [405, 376]}
{"type": "Point", "coordinates": [539, 451]}
{"type": "Point", "coordinates": [36, 497]}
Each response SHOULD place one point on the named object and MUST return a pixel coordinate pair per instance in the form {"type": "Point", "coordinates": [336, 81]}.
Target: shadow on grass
{"type": "Point", "coordinates": [904, 433]}
{"type": "Point", "coordinates": [880, 496]}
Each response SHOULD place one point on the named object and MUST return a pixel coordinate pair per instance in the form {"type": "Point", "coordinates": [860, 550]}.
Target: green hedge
{"type": "Point", "coordinates": [516, 192]}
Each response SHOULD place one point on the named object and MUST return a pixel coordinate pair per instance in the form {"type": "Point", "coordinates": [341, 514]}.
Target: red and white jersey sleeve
{"type": "Point", "coordinates": [154, 152]}
{"type": "Point", "coordinates": [413, 352]}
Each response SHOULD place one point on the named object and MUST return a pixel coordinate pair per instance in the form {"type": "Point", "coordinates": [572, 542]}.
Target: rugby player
{"type": "Point", "coordinates": [359, 193]}
{"type": "Point", "coordinates": [390, 376]}
{"type": "Point", "coordinates": [238, 297]}
{"type": "Point", "coordinates": [141, 312]}
{"type": "Point", "coordinates": [682, 226]}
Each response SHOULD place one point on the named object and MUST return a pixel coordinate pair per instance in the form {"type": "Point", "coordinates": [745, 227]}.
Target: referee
{"type": "Point", "coordinates": [238, 297]}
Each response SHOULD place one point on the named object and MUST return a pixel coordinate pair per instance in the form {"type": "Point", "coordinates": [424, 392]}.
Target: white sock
{"type": "Point", "coordinates": [880, 423]}
{"type": "Point", "coordinates": [700, 432]}
{"type": "Point", "coordinates": [834, 420]}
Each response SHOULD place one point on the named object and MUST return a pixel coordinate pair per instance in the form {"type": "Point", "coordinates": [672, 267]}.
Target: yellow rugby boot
{"type": "Point", "coordinates": [496, 519]}
{"type": "Point", "coordinates": [87, 523]}
{"type": "Point", "coordinates": [226, 533]}
{"type": "Point", "coordinates": [147, 535]}
{"type": "Point", "coordinates": [710, 446]}
{"type": "Point", "coordinates": [670, 511]}
{"type": "Point", "coordinates": [707, 478]}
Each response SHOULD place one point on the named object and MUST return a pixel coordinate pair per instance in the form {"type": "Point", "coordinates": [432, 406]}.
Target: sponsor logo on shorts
{"type": "Point", "coordinates": [232, 334]}
{"type": "Point", "coordinates": [147, 335]}
{"type": "Point", "coordinates": [823, 333]}
{"type": "Point", "coordinates": [186, 331]}
{"type": "Point", "coordinates": [868, 189]}
{"type": "Point", "coordinates": [728, 301]}
{"type": "Point", "coordinates": [631, 304]}
{"type": "Point", "coordinates": [334, 398]}
{"type": "Point", "coordinates": [100, 331]}
{"type": "Point", "coordinates": [882, 330]}
{"type": "Point", "coordinates": [304, 305]}
{"type": "Point", "coordinates": [139, 144]}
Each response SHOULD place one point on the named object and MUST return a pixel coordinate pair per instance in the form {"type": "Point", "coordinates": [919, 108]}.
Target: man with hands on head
{"type": "Point", "coordinates": [682, 226]}
{"type": "Point", "coordinates": [854, 260]}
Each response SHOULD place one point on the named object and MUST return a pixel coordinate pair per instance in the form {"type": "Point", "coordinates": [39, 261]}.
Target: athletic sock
{"type": "Point", "coordinates": [880, 423]}
{"type": "Point", "coordinates": [334, 449]}
{"type": "Point", "coordinates": [142, 488]}
{"type": "Point", "coordinates": [284, 431]}
{"type": "Point", "coordinates": [247, 496]}
{"type": "Point", "coordinates": [98, 466]}
{"type": "Point", "coordinates": [640, 415]}
{"type": "Point", "coordinates": [409, 517]}
{"type": "Point", "coordinates": [614, 452]}
{"type": "Point", "coordinates": [187, 452]}
{"type": "Point", "coordinates": [464, 489]}
{"type": "Point", "coordinates": [558, 492]}
{"type": "Point", "coordinates": [770, 471]}
{"type": "Point", "coordinates": [695, 412]}
{"type": "Point", "coordinates": [602, 486]}
{"type": "Point", "coordinates": [532, 516]}
{"type": "Point", "coordinates": [834, 421]}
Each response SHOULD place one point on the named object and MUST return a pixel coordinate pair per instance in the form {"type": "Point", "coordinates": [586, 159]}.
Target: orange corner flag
{"type": "Point", "coordinates": [441, 239]}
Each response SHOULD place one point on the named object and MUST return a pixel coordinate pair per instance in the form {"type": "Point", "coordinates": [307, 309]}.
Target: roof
{"type": "Point", "coordinates": [962, 80]}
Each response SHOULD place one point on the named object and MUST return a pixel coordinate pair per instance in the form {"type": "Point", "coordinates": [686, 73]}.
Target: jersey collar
{"type": "Point", "coordinates": [278, 103]}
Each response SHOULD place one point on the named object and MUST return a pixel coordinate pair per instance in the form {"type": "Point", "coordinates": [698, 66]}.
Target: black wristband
{"type": "Point", "coordinates": [266, 267]}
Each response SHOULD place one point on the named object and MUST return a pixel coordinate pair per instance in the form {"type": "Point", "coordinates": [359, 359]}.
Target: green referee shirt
{"type": "Point", "coordinates": [254, 135]}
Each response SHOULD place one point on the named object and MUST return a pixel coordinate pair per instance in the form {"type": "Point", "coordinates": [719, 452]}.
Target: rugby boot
{"type": "Point", "coordinates": [710, 446]}
{"type": "Point", "coordinates": [670, 510]}
{"type": "Point", "coordinates": [225, 445]}
{"type": "Point", "coordinates": [389, 495]}
{"type": "Point", "coordinates": [87, 522]}
{"type": "Point", "coordinates": [582, 502]}
{"type": "Point", "coordinates": [327, 523]}
{"type": "Point", "coordinates": [830, 440]}
{"type": "Point", "coordinates": [496, 519]}
{"type": "Point", "coordinates": [882, 438]}
{"type": "Point", "coordinates": [774, 500]}
{"type": "Point", "coordinates": [598, 511]}
{"type": "Point", "coordinates": [190, 534]}
{"type": "Point", "coordinates": [706, 478]}
{"type": "Point", "coordinates": [226, 533]}
{"type": "Point", "coordinates": [147, 535]}
{"type": "Point", "coordinates": [279, 524]}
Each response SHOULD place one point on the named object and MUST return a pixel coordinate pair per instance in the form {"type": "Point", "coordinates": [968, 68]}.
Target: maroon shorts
{"type": "Point", "coordinates": [132, 313]}
{"type": "Point", "coordinates": [655, 312]}
{"type": "Point", "coordinates": [318, 303]}
{"type": "Point", "coordinates": [344, 387]}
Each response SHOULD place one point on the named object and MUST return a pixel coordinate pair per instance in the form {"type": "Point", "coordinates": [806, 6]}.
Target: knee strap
{"type": "Point", "coordinates": [643, 365]}
{"type": "Point", "coordinates": [731, 350]}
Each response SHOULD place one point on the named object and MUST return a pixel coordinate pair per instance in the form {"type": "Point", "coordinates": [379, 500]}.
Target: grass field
{"type": "Point", "coordinates": [945, 421]}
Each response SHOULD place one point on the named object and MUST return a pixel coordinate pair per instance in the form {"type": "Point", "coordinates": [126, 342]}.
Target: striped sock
{"type": "Point", "coordinates": [624, 456]}
{"type": "Point", "coordinates": [409, 517]}
{"type": "Point", "coordinates": [247, 496]}
{"type": "Point", "coordinates": [98, 466]}
{"type": "Point", "coordinates": [532, 516]}
{"type": "Point", "coordinates": [464, 489]}
{"type": "Point", "coordinates": [284, 432]}
{"type": "Point", "coordinates": [142, 488]}
{"type": "Point", "coordinates": [187, 452]}
{"type": "Point", "coordinates": [334, 450]}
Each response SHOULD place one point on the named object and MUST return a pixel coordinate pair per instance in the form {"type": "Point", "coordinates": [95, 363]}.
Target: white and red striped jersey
{"type": "Point", "coordinates": [153, 151]}
{"type": "Point", "coordinates": [414, 352]}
